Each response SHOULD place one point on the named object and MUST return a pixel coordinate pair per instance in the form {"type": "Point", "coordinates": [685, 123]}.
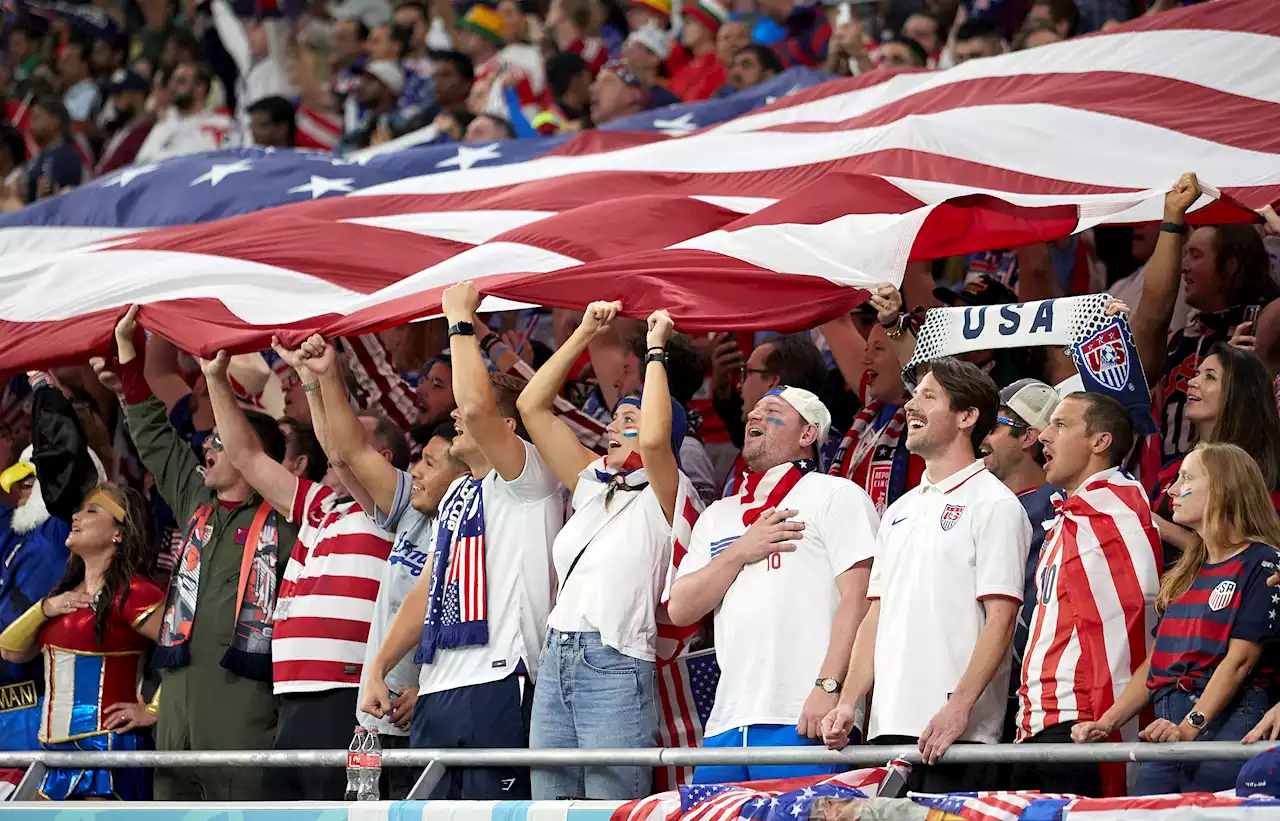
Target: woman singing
{"type": "Point", "coordinates": [596, 676]}
{"type": "Point", "coordinates": [1215, 613]}
{"type": "Point", "coordinates": [93, 630]}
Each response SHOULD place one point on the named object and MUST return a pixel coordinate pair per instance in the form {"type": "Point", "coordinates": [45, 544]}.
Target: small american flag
{"type": "Point", "coordinates": [784, 799]}
{"type": "Point", "coordinates": [686, 683]}
{"type": "Point", "coordinates": [987, 806]}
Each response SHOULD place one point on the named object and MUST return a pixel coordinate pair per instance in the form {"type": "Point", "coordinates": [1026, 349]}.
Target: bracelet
{"type": "Point", "coordinates": [658, 348]}
{"type": "Point", "coordinates": [891, 324]}
{"type": "Point", "coordinates": [897, 330]}
{"type": "Point", "coordinates": [311, 386]}
{"type": "Point", "coordinates": [490, 339]}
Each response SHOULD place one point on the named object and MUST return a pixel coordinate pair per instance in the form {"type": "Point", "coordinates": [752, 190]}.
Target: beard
{"type": "Point", "coordinates": [184, 101]}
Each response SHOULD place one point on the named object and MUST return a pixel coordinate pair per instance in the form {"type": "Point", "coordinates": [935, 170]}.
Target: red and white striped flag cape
{"type": "Point", "coordinates": [1096, 586]}
{"type": "Point", "coordinates": [778, 219]}
{"type": "Point", "coordinates": [665, 806]}
{"type": "Point", "coordinates": [1182, 807]}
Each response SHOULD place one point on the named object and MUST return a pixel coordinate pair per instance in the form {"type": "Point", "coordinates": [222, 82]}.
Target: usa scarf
{"type": "Point", "coordinates": [631, 476]}
{"type": "Point", "coordinates": [768, 488]}
{"type": "Point", "coordinates": [458, 607]}
{"type": "Point", "coordinates": [249, 653]}
{"type": "Point", "coordinates": [886, 474]}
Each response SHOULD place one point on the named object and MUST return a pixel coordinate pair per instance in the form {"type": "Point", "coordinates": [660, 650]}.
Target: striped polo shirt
{"type": "Point", "coordinates": [1228, 600]}
{"type": "Point", "coordinates": [322, 617]}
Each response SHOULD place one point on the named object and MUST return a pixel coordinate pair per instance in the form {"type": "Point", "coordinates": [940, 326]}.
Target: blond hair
{"type": "Point", "coordinates": [1238, 511]}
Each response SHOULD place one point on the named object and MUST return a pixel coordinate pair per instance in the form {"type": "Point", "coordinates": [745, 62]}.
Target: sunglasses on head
{"type": "Point", "coordinates": [213, 442]}
{"type": "Point", "coordinates": [1013, 423]}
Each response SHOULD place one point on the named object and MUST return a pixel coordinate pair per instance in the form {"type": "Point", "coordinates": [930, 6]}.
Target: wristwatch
{"type": "Point", "coordinates": [462, 329]}
{"type": "Point", "coordinates": [828, 685]}
{"type": "Point", "coordinates": [656, 356]}
{"type": "Point", "coordinates": [1197, 720]}
{"type": "Point", "coordinates": [1173, 227]}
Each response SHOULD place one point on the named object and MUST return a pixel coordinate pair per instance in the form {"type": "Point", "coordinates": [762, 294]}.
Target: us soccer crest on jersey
{"type": "Point", "coordinates": [950, 515]}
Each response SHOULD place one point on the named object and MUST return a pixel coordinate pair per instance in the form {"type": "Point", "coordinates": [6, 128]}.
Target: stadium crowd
{"type": "Point", "coordinates": [496, 531]}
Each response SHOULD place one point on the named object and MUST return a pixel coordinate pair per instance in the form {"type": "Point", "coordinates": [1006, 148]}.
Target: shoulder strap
{"type": "Point", "coordinates": [260, 517]}
{"type": "Point", "coordinates": [630, 497]}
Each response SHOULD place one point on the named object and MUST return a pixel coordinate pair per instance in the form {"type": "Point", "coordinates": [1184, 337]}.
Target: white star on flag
{"type": "Point", "coordinates": [683, 124]}
{"type": "Point", "coordinates": [468, 156]}
{"type": "Point", "coordinates": [220, 171]}
{"type": "Point", "coordinates": [128, 175]}
{"type": "Point", "coordinates": [355, 159]}
{"type": "Point", "coordinates": [319, 186]}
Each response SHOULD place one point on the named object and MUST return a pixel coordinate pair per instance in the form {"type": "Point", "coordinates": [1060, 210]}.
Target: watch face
{"type": "Point", "coordinates": [829, 684]}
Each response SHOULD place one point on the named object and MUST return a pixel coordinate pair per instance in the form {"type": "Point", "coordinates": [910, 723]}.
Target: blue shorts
{"type": "Point", "coordinates": [761, 735]}
{"type": "Point", "coordinates": [495, 714]}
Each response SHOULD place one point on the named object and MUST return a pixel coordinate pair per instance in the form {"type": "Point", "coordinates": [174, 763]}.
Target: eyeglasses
{"type": "Point", "coordinates": [1013, 423]}
{"type": "Point", "coordinates": [213, 442]}
{"type": "Point", "coordinates": [743, 370]}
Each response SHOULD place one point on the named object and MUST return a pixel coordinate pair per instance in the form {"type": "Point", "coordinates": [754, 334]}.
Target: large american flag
{"type": "Point", "coordinates": [780, 800]}
{"type": "Point", "coordinates": [778, 218]}
{"type": "Point", "coordinates": [991, 806]}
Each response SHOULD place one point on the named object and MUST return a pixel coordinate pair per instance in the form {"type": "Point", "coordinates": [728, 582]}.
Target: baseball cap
{"type": "Point", "coordinates": [125, 80]}
{"type": "Point", "coordinates": [623, 71]}
{"type": "Point", "coordinates": [982, 290]}
{"type": "Point", "coordinates": [1260, 775]}
{"type": "Point", "coordinates": [386, 72]}
{"type": "Point", "coordinates": [652, 38]}
{"type": "Point", "coordinates": [808, 405]}
{"type": "Point", "coordinates": [1032, 400]}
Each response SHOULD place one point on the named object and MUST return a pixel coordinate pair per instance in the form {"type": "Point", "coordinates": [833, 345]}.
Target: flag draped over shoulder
{"type": "Point", "coordinates": [778, 218]}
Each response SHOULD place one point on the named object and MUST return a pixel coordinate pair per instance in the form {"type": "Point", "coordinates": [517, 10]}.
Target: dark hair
{"type": "Point", "coordinates": [415, 4]}
{"type": "Point", "coordinates": [386, 436]}
{"type": "Point", "coordinates": [459, 60]}
{"type": "Point", "coordinates": [279, 111]}
{"type": "Point", "coordinates": [978, 28]}
{"type": "Point", "coordinates": [52, 106]}
{"type": "Point", "coordinates": [506, 389]}
{"type": "Point", "coordinates": [796, 361]}
{"type": "Point", "coordinates": [11, 140]}
{"type": "Point", "coordinates": [81, 44]}
{"type": "Point", "coordinates": [203, 75]}
{"type": "Point", "coordinates": [1102, 414]}
{"type": "Point", "coordinates": [968, 386]}
{"type": "Point", "coordinates": [562, 68]}
{"type": "Point", "coordinates": [686, 368]}
{"type": "Point", "coordinates": [362, 30]}
{"type": "Point", "coordinates": [917, 51]}
{"type": "Point", "coordinates": [268, 430]}
{"type": "Point", "coordinates": [301, 441]}
{"type": "Point", "coordinates": [1062, 11]}
{"type": "Point", "coordinates": [765, 56]}
{"type": "Point", "coordinates": [184, 40]}
{"type": "Point", "coordinates": [1251, 283]}
{"type": "Point", "coordinates": [1248, 417]}
{"type": "Point", "coordinates": [445, 430]}
{"type": "Point", "coordinates": [503, 124]}
{"type": "Point", "coordinates": [131, 557]}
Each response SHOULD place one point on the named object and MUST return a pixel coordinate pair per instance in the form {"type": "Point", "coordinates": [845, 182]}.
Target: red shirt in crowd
{"type": "Point", "coordinates": [699, 78]}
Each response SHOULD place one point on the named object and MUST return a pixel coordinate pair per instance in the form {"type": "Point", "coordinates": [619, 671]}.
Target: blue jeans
{"type": "Point", "coordinates": [762, 735]}
{"type": "Point", "coordinates": [591, 696]}
{"type": "Point", "coordinates": [1236, 720]}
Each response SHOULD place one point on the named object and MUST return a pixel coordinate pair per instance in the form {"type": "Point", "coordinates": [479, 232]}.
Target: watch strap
{"type": "Point", "coordinates": [462, 329]}
{"type": "Point", "coordinates": [1174, 227]}
{"type": "Point", "coordinates": [656, 356]}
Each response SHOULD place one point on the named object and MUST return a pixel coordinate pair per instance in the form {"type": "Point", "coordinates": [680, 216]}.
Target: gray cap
{"type": "Point", "coordinates": [1032, 400]}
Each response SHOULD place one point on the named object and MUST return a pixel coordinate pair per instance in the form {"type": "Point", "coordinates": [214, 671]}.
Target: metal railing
{"type": "Point", "coordinates": [435, 762]}
{"type": "Point", "coordinates": [859, 756]}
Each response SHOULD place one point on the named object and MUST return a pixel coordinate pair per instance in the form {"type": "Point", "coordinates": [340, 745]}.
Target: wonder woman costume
{"type": "Point", "coordinates": [83, 678]}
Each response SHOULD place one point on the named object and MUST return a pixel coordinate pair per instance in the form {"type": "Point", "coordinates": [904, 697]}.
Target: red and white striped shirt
{"type": "Point", "coordinates": [326, 600]}
{"type": "Point", "coordinates": [318, 130]}
{"type": "Point", "coordinates": [1096, 585]}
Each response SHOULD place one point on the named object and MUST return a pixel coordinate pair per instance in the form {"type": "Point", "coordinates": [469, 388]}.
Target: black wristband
{"type": "Point", "coordinates": [657, 348]}
{"type": "Point", "coordinates": [489, 340]}
{"type": "Point", "coordinates": [896, 320]}
{"type": "Point", "coordinates": [462, 329]}
{"type": "Point", "coordinates": [1174, 228]}
{"type": "Point", "coordinates": [661, 356]}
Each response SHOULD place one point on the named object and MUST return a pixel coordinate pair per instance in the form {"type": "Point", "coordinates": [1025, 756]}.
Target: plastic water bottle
{"type": "Point", "coordinates": [371, 770]}
{"type": "Point", "coordinates": [355, 765]}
